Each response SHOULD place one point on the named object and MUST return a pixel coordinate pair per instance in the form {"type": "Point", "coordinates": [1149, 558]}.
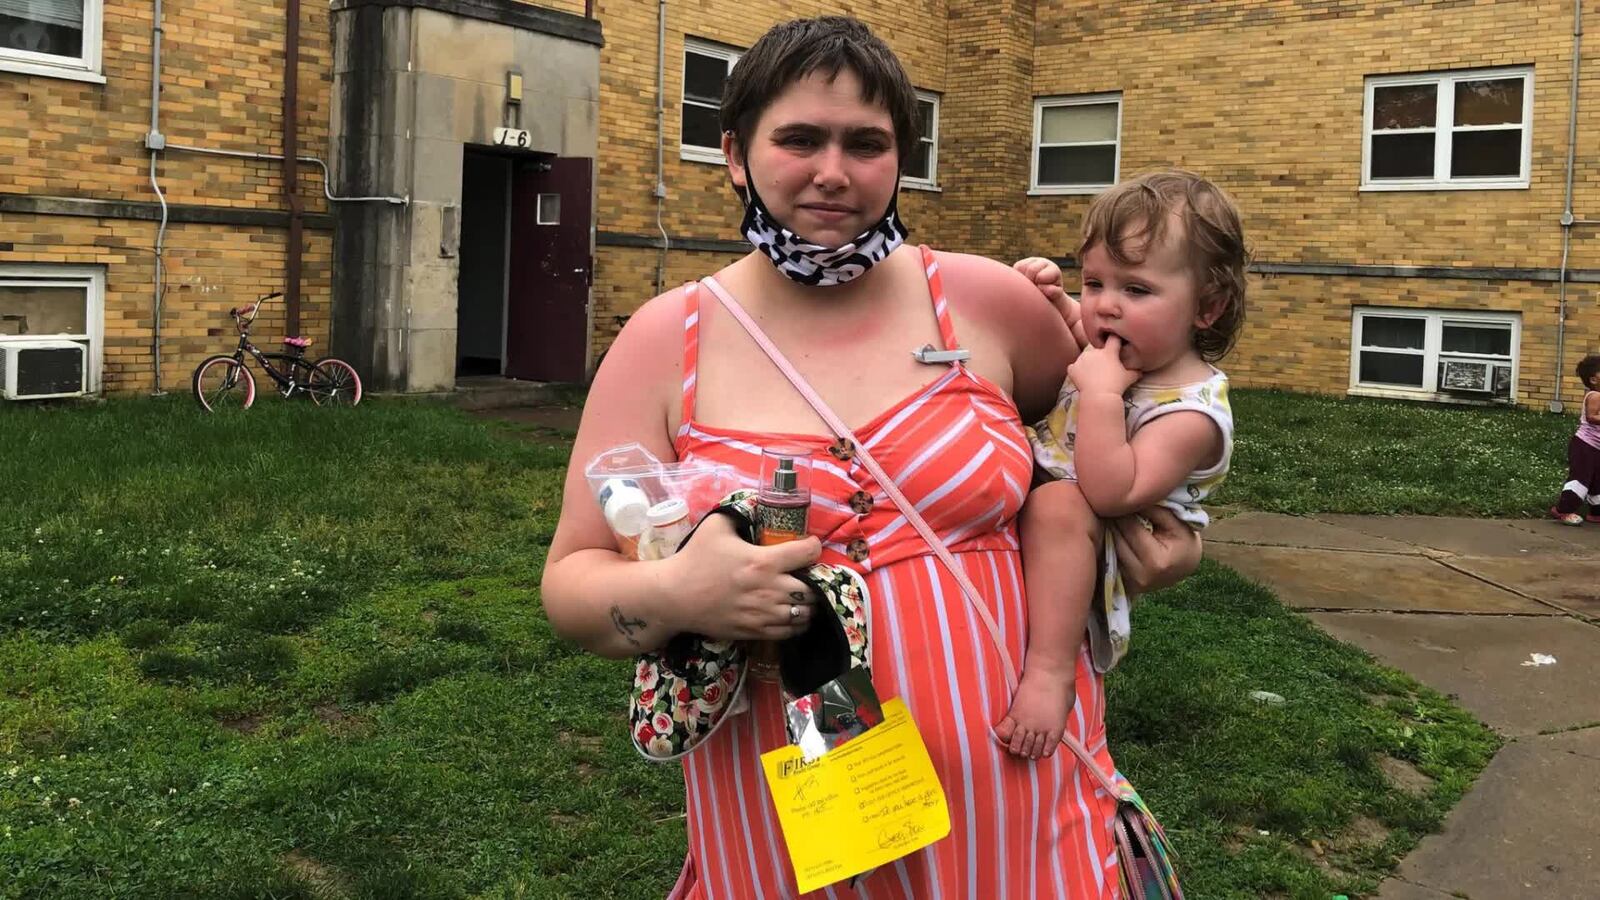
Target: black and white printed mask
{"type": "Point", "coordinates": [809, 263]}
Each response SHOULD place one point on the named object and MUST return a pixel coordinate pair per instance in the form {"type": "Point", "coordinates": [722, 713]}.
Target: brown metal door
{"type": "Point", "coordinates": [547, 326]}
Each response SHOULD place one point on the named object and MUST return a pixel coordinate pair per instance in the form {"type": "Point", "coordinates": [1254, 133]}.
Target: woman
{"type": "Point", "coordinates": [818, 118]}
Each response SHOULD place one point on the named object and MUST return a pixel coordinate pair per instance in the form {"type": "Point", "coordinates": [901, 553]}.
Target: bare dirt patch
{"type": "Point", "coordinates": [1404, 775]}
{"type": "Point", "coordinates": [322, 880]}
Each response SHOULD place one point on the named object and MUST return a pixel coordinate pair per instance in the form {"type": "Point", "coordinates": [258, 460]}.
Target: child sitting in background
{"type": "Point", "coordinates": [1143, 418]}
{"type": "Point", "coordinates": [1583, 453]}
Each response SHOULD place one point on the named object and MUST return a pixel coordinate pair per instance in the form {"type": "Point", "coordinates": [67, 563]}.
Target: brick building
{"type": "Point", "coordinates": [1402, 167]}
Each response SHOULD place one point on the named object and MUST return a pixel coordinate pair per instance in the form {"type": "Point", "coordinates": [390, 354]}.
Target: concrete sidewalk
{"type": "Point", "coordinates": [1462, 605]}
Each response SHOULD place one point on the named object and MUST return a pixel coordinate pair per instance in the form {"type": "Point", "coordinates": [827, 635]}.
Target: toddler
{"type": "Point", "coordinates": [1143, 418]}
{"type": "Point", "coordinates": [1583, 453]}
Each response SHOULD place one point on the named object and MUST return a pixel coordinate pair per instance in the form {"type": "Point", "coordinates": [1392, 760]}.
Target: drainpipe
{"type": "Point", "coordinates": [154, 141]}
{"type": "Point", "coordinates": [327, 178]}
{"type": "Point", "coordinates": [660, 191]}
{"type": "Point", "coordinates": [1567, 219]}
{"type": "Point", "coordinates": [291, 140]}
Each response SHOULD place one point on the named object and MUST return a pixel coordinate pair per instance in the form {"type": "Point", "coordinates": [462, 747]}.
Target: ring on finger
{"type": "Point", "coordinates": [794, 610]}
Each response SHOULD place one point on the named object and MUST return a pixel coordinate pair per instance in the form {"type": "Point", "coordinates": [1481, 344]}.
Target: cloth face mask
{"type": "Point", "coordinates": [809, 263]}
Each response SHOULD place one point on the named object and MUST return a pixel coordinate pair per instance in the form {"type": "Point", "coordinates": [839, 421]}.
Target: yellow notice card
{"type": "Point", "coordinates": [864, 804]}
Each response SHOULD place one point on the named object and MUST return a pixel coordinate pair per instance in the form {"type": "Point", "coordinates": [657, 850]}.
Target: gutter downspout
{"type": "Point", "coordinates": [291, 175]}
{"type": "Point", "coordinates": [660, 191]}
{"type": "Point", "coordinates": [154, 142]}
{"type": "Point", "coordinates": [1567, 219]}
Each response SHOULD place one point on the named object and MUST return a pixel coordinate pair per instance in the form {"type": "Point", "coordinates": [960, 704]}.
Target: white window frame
{"type": "Point", "coordinates": [80, 68]}
{"type": "Point", "coordinates": [1444, 132]}
{"type": "Point", "coordinates": [931, 183]}
{"type": "Point", "coordinates": [1432, 342]}
{"type": "Point", "coordinates": [93, 281]}
{"type": "Point", "coordinates": [1040, 104]}
{"type": "Point", "coordinates": [694, 152]}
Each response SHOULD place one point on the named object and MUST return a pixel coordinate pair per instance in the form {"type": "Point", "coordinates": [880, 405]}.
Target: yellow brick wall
{"type": "Point", "coordinates": [208, 270]}
{"type": "Point", "coordinates": [222, 76]}
{"type": "Point", "coordinates": [1266, 97]}
{"type": "Point", "coordinates": [1298, 332]}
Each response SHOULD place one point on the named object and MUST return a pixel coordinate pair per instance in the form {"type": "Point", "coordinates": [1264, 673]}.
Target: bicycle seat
{"type": "Point", "coordinates": [301, 342]}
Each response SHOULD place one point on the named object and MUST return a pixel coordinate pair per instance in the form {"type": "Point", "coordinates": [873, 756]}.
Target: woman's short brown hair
{"type": "Point", "coordinates": [793, 50]}
{"type": "Point", "coordinates": [1131, 217]}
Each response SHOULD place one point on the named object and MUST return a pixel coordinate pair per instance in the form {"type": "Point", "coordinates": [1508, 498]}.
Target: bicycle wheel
{"type": "Point", "coordinates": [222, 382]}
{"type": "Point", "coordinates": [334, 382]}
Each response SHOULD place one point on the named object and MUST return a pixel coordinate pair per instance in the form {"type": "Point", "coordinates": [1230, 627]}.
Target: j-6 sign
{"type": "Point", "coordinates": [512, 137]}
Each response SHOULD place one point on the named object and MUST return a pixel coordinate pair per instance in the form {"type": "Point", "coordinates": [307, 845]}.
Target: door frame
{"type": "Point", "coordinates": [505, 266]}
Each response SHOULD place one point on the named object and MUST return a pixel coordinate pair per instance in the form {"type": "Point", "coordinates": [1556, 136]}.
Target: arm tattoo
{"type": "Point", "coordinates": [626, 626]}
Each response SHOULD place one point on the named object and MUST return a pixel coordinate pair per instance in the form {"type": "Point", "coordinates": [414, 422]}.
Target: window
{"type": "Point", "coordinates": [922, 166]}
{"type": "Point", "coordinates": [1434, 354]}
{"type": "Point", "coordinates": [548, 210]}
{"type": "Point", "coordinates": [59, 38]}
{"type": "Point", "coordinates": [44, 302]}
{"type": "Point", "coordinates": [1449, 131]}
{"type": "Point", "coordinates": [1076, 143]}
{"type": "Point", "coordinates": [705, 71]}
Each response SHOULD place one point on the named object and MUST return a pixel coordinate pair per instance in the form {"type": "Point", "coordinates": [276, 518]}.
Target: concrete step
{"type": "Point", "coordinates": [478, 392]}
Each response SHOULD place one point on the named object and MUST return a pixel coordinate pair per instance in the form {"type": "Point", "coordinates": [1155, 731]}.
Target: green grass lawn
{"type": "Point", "coordinates": [298, 653]}
{"type": "Point", "coordinates": [1301, 454]}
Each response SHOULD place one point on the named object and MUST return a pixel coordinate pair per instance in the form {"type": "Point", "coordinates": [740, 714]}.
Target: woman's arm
{"type": "Point", "coordinates": [1004, 311]}
{"type": "Point", "coordinates": [717, 584]}
{"type": "Point", "coordinates": [1591, 407]}
{"type": "Point", "coordinates": [592, 594]}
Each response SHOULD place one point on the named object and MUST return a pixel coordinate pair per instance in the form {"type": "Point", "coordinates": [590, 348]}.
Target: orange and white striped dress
{"type": "Point", "coordinates": [1019, 828]}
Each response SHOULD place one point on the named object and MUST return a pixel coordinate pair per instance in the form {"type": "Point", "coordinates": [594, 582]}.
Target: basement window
{"type": "Point", "coordinates": [53, 38]}
{"type": "Point", "coordinates": [53, 303]}
{"type": "Point", "coordinates": [705, 72]}
{"type": "Point", "coordinates": [1449, 131]}
{"type": "Point", "coordinates": [1449, 355]}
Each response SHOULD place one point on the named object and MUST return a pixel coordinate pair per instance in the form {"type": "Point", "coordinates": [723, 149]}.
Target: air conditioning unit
{"type": "Point", "coordinates": [38, 370]}
{"type": "Point", "coordinates": [1466, 376]}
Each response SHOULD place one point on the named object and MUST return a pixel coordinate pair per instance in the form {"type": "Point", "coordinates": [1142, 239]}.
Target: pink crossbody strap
{"type": "Point", "coordinates": [906, 509]}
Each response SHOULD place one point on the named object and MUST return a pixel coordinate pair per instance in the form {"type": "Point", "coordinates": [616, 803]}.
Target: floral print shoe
{"type": "Point", "coordinates": [685, 691]}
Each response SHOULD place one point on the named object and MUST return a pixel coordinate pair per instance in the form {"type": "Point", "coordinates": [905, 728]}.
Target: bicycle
{"type": "Point", "coordinates": [224, 381]}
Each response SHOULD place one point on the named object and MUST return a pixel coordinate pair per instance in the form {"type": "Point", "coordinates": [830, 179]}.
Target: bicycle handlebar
{"type": "Point", "coordinates": [242, 311]}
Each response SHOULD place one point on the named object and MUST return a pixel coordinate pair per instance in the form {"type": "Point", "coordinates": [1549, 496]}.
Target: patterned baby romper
{"type": "Point", "coordinates": [1053, 440]}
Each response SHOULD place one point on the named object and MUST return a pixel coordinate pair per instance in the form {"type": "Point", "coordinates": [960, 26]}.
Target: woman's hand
{"type": "Point", "coordinates": [1158, 557]}
{"type": "Point", "coordinates": [1046, 276]}
{"type": "Point", "coordinates": [734, 590]}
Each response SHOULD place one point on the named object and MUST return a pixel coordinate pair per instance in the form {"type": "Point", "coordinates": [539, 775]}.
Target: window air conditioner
{"type": "Point", "coordinates": [1467, 376]}
{"type": "Point", "coordinates": [37, 370]}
